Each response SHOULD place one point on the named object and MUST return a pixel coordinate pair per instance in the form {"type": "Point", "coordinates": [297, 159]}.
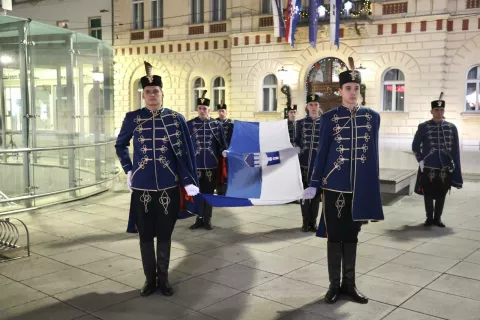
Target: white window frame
{"type": "Point", "coordinates": [138, 21]}
{"type": "Point", "coordinates": [197, 92]}
{"type": "Point", "coordinates": [138, 94]}
{"type": "Point", "coordinates": [221, 92]}
{"type": "Point", "coordinates": [271, 103]}
{"type": "Point", "coordinates": [157, 15]}
{"type": "Point", "coordinates": [394, 85]}
{"type": "Point", "coordinates": [90, 29]}
{"type": "Point", "coordinates": [268, 9]}
{"type": "Point", "coordinates": [477, 89]}
{"type": "Point", "coordinates": [221, 12]}
{"type": "Point", "coordinates": [197, 11]}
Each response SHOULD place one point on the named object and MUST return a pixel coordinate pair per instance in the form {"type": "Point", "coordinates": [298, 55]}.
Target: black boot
{"type": "Point", "coordinates": [163, 261]}
{"type": "Point", "coordinates": [348, 281]}
{"type": "Point", "coordinates": [439, 203]}
{"type": "Point", "coordinates": [334, 256]}
{"type": "Point", "coordinates": [207, 224]}
{"type": "Point", "coordinates": [305, 207]}
{"type": "Point", "coordinates": [147, 251]}
{"type": "Point", "coordinates": [198, 223]}
{"type": "Point", "coordinates": [314, 207]}
{"type": "Point", "coordinates": [429, 210]}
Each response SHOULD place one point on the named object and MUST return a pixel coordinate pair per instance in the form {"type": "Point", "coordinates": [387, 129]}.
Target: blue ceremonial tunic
{"type": "Point", "coordinates": [347, 160]}
{"type": "Point", "coordinates": [291, 131]}
{"type": "Point", "coordinates": [227, 125]}
{"type": "Point", "coordinates": [163, 155]}
{"type": "Point", "coordinates": [208, 141]}
{"type": "Point", "coordinates": [307, 138]}
{"type": "Point", "coordinates": [438, 146]}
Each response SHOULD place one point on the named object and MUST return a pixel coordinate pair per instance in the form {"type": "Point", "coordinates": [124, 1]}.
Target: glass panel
{"type": "Point", "coordinates": [400, 97]}
{"type": "Point", "coordinates": [266, 7]}
{"type": "Point", "coordinates": [387, 97]}
{"type": "Point", "coordinates": [471, 99]}
{"type": "Point", "coordinates": [154, 14]}
{"type": "Point", "coordinates": [473, 73]}
{"type": "Point", "coordinates": [270, 80]}
{"type": "Point", "coordinates": [219, 82]}
{"type": "Point", "coordinates": [96, 23]}
{"type": "Point", "coordinates": [135, 16]}
{"type": "Point", "coordinates": [394, 75]}
{"type": "Point", "coordinates": [199, 83]}
{"type": "Point", "coordinates": [140, 17]}
{"type": "Point", "coordinates": [266, 99]}
{"type": "Point", "coordinates": [274, 94]}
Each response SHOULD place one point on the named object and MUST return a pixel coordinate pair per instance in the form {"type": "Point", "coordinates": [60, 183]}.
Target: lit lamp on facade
{"type": "Point", "coordinates": [348, 6]}
{"type": "Point", "coordinates": [363, 70]}
{"type": "Point", "coordinates": [322, 11]}
{"type": "Point", "coordinates": [283, 74]}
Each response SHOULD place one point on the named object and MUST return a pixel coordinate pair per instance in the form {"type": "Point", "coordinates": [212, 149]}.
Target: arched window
{"type": "Point", "coordinates": [472, 94]}
{"type": "Point", "coordinates": [323, 79]}
{"type": "Point", "coordinates": [270, 93]}
{"type": "Point", "coordinates": [393, 90]}
{"type": "Point", "coordinates": [198, 88]}
{"type": "Point", "coordinates": [218, 91]}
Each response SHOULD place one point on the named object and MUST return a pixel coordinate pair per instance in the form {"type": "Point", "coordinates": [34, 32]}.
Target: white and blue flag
{"type": "Point", "coordinates": [335, 22]}
{"type": "Point", "coordinates": [263, 167]}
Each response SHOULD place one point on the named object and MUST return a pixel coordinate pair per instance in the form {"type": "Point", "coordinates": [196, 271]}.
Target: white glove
{"type": "Point", "coordinates": [309, 193]}
{"type": "Point", "coordinates": [129, 180]}
{"type": "Point", "coordinates": [192, 190]}
{"type": "Point", "coordinates": [224, 153]}
{"type": "Point", "coordinates": [422, 165]}
{"type": "Point", "coordinates": [298, 150]}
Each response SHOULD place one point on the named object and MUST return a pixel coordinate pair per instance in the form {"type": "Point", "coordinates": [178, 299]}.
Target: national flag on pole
{"type": "Point", "coordinates": [313, 14]}
{"type": "Point", "coordinates": [335, 22]}
{"type": "Point", "coordinates": [263, 167]}
{"type": "Point", "coordinates": [293, 15]}
{"type": "Point", "coordinates": [278, 22]}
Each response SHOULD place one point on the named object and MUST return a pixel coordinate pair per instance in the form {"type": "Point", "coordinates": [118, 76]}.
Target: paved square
{"type": "Point", "coordinates": [255, 264]}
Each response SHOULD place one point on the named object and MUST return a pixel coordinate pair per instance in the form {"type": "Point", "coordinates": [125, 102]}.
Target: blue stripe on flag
{"type": "Point", "coordinates": [222, 201]}
{"type": "Point", "coordinates": [243, 180]}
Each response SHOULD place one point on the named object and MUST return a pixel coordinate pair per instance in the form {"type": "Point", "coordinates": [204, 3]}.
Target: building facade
{"type": "Point", "coordinates": [408, 52]}
{"type": "Point", "coordinates": [92, 17]}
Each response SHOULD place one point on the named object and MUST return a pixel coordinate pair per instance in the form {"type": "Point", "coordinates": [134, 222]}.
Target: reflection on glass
{"type": "Point", "coordinates": [64, 83]}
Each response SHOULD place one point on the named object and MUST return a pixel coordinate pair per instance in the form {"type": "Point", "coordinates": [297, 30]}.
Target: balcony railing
{"type": "Point", "coordinates": [471, 4]}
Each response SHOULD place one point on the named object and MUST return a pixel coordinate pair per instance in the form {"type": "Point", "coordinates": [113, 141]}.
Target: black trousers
{"type": "Point", "coordinates": [310, 208]}
{"type": "Point", "coordinates": [156, 213]}
{"type": "Point", "coordinates": [338, 217]}
{"type": "Point", "coordinates": [222, 189]}
{"type": "Point", "coordinates": [434, 211]}
{"type": "Point", "coordinates": [208, 182]}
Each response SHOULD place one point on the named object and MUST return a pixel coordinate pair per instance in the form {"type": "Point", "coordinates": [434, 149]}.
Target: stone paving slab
{"type": "Point", "coordinates": [255, 264]}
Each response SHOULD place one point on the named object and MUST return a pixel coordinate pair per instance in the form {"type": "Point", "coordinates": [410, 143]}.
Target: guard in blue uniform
{"type": "Point", "coordinates": [291, 116]}
{"type": "Point", "coordinates": [227, 125]}
{"type": "Point", "coordinates": [306, 141]}
{"type": "Point", "coordinates": [209, 142]}
{"type": "Point", "coordinates": [437, 149]}
{"type": "Point", "coordinates": [163, 167]}
{"type": "Point", "coordinates": [346, 169]}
